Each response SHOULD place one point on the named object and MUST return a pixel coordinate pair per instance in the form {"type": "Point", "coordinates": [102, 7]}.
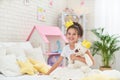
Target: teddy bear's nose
{"type": "Point", "coordinates": [76, 50]}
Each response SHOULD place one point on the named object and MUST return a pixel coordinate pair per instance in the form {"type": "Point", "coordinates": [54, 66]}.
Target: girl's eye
{"type": "Point", "coordinates": [68, 33]}
{"type": "Point", "coordinates": [74, 34]}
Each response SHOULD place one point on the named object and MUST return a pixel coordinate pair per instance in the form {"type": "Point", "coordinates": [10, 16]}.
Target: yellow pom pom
{"type": "Point", "coordinates": [86, 44]}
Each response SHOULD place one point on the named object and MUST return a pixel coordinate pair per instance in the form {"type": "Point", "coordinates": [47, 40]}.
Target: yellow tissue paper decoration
{"type": "Point", "coordinates": [26, 67]}
{"type": "Point", "coordinates": [68, 23]}
{"type": "Point", "coordinates": [86, 44]}
{"type": "Point", "coordinates": [40, 66]}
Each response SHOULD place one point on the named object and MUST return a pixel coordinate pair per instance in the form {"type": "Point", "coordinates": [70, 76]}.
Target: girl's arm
{"type": "Point", "coordinates": [55, 65]}
{"type": "Point", "coordinates": [90, 55]}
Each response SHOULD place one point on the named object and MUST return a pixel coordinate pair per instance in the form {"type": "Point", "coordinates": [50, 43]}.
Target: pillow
{"type": "Point", "coordinates": [1, 45]}
{"type": "Point", "coordinates": [2, 51]}
{"type": "Point", "coordinates": [24, 45]}
{"type": "Point", "coordinates": [7, 44]}
{"type": "Point", "coordinates": [8, 66]}
{"type": "Point", "coordinates": [35, 53]}
{"type": "Point", "coordinates": [33, 61]}
{"type": "Point", "coordinates": [18, 52]}
{"type": "Point", "coordinates": [40, 66]}
{"type": "Point", "coordinates": [26, 67]}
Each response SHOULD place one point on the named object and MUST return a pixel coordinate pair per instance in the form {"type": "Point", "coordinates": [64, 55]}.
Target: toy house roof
{"type": "Point", "coordinates": [45, 31]}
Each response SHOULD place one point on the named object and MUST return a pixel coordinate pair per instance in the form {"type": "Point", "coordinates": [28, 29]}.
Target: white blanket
{"type": "Point", "coordinates": [77, 74]}
{"type": "Point", "coordinates": [27, 77]}
{"type": "Point", "coordinates": [66, 74]}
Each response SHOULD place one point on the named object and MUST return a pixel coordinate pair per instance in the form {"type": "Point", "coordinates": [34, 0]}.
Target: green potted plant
{"type": "Point", "coordinates": [106, 46]}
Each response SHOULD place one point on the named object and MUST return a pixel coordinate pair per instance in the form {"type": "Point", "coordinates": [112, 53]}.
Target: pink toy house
{"type": "Point", "coordinates": [46, 37]}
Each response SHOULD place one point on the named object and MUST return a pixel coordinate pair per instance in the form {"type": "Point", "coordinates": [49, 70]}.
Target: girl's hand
{"type": "Point", "coordinates": [46, 73]}
{"type": "Point", "coordinates": [43, 73]}
{"type": "Point", "coordinates": [73, 57]}
{"type": "Point", "coordinates": [79, 58]}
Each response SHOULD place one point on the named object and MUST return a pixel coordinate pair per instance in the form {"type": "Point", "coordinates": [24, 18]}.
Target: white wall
{"type": "Point", "coordinates": [17, 19]}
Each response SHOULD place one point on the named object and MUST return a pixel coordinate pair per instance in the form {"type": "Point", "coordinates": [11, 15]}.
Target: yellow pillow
{"type": "Point", "coordinates": [33, 61]}
{"type": "Point", "coordinates": [26, 67]}
{"type": "Point", "coordinates": [41, 67]}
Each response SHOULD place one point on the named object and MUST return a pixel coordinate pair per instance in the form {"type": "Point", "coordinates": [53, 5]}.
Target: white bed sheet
{"type": "Point", "coordinates": [65, 74]}
{"type": "Point", "coordinates": [77, 74]}
{"type": "Point", "coordinates": [27, 77]}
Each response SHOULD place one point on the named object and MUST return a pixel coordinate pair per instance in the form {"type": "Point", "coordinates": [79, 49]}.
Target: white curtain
{"type": "Point", "coordinates": [107, 14]}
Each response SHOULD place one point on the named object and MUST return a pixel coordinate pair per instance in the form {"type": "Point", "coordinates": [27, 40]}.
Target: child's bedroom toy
{"type": "Point", "coordinates": [49, 38]}
{"type": "Point", "coordinates": [80, 50]}
{"type": "Point", "coordinates": [59, 49]}
{"type": "Point", "coordinates": [46, 37]}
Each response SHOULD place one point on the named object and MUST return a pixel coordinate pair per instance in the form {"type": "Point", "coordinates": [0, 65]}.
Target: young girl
{"type": "Point", "coordinates": [74, 32]}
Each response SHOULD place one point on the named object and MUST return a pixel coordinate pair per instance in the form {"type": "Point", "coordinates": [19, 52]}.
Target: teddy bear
{"type": "Point", "coordinates": [80, 50]}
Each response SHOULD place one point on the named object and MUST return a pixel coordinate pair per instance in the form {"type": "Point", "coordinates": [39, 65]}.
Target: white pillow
{"type": "Point", "coordinates": [24, 45]}
{"type": "Point", "coordinates": [9, 66]}
{"type": "Point", "coordinates": [35, 53]}
{"type": "Point", "coordinates": [7, 44]}
{"type": "Point", "coordinates": [2, 51]}
{"type": "Point", "coordinates": [18, 52]}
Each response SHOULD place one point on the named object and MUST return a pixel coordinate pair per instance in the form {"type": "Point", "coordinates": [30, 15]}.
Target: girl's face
{"type": "Point", "coordinates": [72, 35]}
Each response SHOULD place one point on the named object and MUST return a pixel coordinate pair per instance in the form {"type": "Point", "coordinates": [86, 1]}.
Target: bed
{"type": "Point", "coordinates": [10, 70]}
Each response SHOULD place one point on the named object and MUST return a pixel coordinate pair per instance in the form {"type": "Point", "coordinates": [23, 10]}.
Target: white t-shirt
{"type": "Point", "coordinates": [66, 52]}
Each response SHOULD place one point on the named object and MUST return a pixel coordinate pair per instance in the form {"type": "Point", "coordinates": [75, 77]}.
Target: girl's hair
{"type": "Point", "coordinates": [77, 27]}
